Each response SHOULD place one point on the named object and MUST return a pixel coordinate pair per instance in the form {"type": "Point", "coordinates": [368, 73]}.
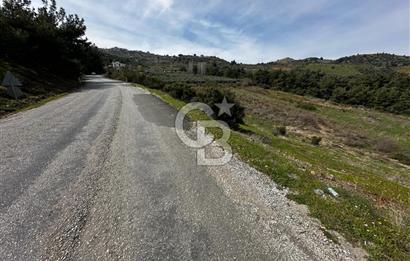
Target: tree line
{"type": "Point", "coordinates": [46, 37]}
{"type": "Point", "coordinates": [378, 85]}
{"type": "Point", "coordinates": [379, 88]}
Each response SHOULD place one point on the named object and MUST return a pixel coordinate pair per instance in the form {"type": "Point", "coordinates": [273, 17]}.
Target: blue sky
{"type": "Point", "coordinates": [248, 31]}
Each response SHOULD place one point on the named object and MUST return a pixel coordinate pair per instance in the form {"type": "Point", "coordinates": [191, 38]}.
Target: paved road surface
{"type": "Point", "coordinates": [101, 174]}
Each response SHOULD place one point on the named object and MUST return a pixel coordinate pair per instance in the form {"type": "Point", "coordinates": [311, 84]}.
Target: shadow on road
{"type": "Point", "coordinates": [155, 111]}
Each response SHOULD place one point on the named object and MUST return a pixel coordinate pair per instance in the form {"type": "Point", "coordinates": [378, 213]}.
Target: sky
{"type": "Point", "coordinates": [248, 31]}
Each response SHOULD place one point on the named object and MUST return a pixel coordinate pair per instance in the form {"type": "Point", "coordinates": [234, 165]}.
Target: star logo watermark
{"type": "Point", "coordinates": [203, 139]}
{"type": "Point", "coordinates": [224, 107]}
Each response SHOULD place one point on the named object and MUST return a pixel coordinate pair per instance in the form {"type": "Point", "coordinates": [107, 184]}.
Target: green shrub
{"type": "Point", "coordinates": [134, 76]}
{"type": "Point", "coordinates": [316, 140]}
{"type": "Point", "coordinates": [306, 106]}
{"type": "Point", "coordinates": [265, 140]}
{"type": "Point", "coordinates": [403, 157]}
{"type": "Point", "coordinates": [180, 91]}
{"type": "Point", "coordinates": [385, 145]}
{"type": "Point", "coordinates": [213, 96]}
{"type": "Point", "coordinates": [153, 82]}
{"type": "Point", "coordinates": [354, 139]}
{"type": "Point", "coordinates": [280, 131]}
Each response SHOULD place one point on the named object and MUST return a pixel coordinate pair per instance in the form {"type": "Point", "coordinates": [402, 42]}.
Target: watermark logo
{"type": "Point", "coordinates": [205, 140]}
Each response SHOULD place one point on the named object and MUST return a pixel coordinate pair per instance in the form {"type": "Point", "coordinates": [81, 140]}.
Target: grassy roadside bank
{"type": "Point", "coordinates": [351, 214]}
{"type": "Point", "coordinates": [39, 87]}
{"type": "Point", "coordinates": [11, 107]}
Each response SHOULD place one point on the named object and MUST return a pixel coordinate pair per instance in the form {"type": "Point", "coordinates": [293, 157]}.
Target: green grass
{"type": "Point", "coordinates": [191, 78]}
{"type": "Point", "coordinates": [39, 86]}
{"type": "Point", "coordinates": [366, 173]}
{"type": "Point", "coordinates": [11, 106]}
{"type": "Point", "coordinates": [404, 69]}
{"type": "Point", "coordinates": [43, 102]}
{"type": "Point", "coordinates": [352, 214]}
{"type": "Point", "coordinates": [306, 106]}
{"type": "Point", "coordinates": [372, 125]}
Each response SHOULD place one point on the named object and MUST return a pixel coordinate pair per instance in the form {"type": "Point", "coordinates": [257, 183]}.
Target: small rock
{"type": "Point", "coordinates": [319, 192]}
{"type": "Point", "coordinates": [293, 176]}
{"type": "Point", "coordinates": [331, 177]}
{"type": "Point", "coordinates": [333, 192]}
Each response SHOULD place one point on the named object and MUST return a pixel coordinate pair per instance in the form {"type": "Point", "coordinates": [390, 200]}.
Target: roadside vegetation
{"type": "Point", "coordinates": [376, 81]}
{"type": "Point", "coordinates": [378, 88]}
{"type": "Point", "coordinates": [372, 209]}
{"type": "Point", "coordinates": [39, 87]}
{"type": "Point", "coordinates": [46, 49]}
{"type": "Point", "coordinates": [335, 133]}
{"type": "Point", "coordinates": [208, 94]}
{"type": "Point", "coordinates": [314, 147]}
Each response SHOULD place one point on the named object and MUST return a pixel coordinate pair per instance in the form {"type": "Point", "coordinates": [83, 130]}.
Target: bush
{"type": "Point", "coordinates": [306, 106]}
{"type": "Point", "coordinates": [355, 140]}
{"type": "Point", "coordinates": [316, 140]}
{"type": "Point", "coordinates": [136, 77]}
{"type": "Point", "coordinates": [403, 157]}
{"type": "Point", "coordinates": [180, 91]}
{"type": "Point", "coordinates": [280, 131]}
{"type": "Point", "coordinates": [152, 82]}
{"type": "Point", "coordinates": [213, 96]}
{"type": "Point", "coordinates": [265, 140]}
{"type": "Point", "coordinates": [385, 145]}
{"type": "Point", "coordinates": [308, 120]}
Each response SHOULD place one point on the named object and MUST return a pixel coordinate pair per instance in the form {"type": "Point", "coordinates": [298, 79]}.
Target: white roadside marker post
{"type": "Point", "coordinates": [12, 84]}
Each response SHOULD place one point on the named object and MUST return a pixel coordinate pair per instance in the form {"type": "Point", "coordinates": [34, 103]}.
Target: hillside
{"type": "Point", "coordinates": [379, 81]}
{"type": "Point", "coordinates": [147, 58]}
{"type": "Point", "coordinates": [346, 66]}
{"type": "Point", "coordinates": [155, 62]}
{"type": "Point", "coordinates": [309, 145]}
{"type": "Point", "coordinates": [300, 128]}
{"type": "Point", "coordinates": [379, 59]}
{"type": "Point", "coordinates": [46, 49]}
{"type": "Point", "coordinates": [39, 85]}
{"type": "Point", "coordinates": [342, 66]}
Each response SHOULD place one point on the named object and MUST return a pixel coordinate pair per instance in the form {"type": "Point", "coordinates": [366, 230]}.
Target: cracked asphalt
{"type": "Point", "coordinates": [100, 174]}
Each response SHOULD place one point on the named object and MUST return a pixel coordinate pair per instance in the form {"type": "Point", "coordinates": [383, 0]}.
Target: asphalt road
{"type": "Point", "coordinates": [101, 174]}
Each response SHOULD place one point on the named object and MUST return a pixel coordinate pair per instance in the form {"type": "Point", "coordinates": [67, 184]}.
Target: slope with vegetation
{"type": "Point", "coordinates": [378, 81]}
{"type": "Point", "coordinates": [373, 207]}
{"type": "Point", "coordinates": [39, 86]}
{"type": "Point", "coordinates": [309, 145]}
{"type": "Point", "coordinates": [379, 88]}
{"type": "Point", "coordinates": [45, 48]}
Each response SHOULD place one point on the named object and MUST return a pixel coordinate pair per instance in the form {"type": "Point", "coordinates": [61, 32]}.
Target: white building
{"type": "Point", "coordinates": [117, 65]}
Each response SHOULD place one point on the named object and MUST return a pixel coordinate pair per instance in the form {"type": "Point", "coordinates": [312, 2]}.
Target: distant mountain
{"type": "Point", "coordinates": [379, 59]}
{"type": "Point", "coordinates": [149, 59]}
{"type": "Point", "coordinates": [371, 80]}
{"type": "Point", "coordinates": [286, 60]}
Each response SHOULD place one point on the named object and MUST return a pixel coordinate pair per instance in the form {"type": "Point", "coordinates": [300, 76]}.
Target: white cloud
{"type": "Point", "coordinates": [247, 30]}
{"type": "Point", "coordinates": [165, 4]}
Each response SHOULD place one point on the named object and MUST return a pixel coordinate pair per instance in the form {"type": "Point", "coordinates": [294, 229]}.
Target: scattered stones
{"type": "Point", "coordinates": [293, 176]}
{"type": "Point", "coordinates": [249, 188]}
{"type": "Point", "coordinates": [331, 177]}
{"type": "Point", "coordinates": [319, 192]}
{"type": "Point", "coordinates": [332, 192]}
